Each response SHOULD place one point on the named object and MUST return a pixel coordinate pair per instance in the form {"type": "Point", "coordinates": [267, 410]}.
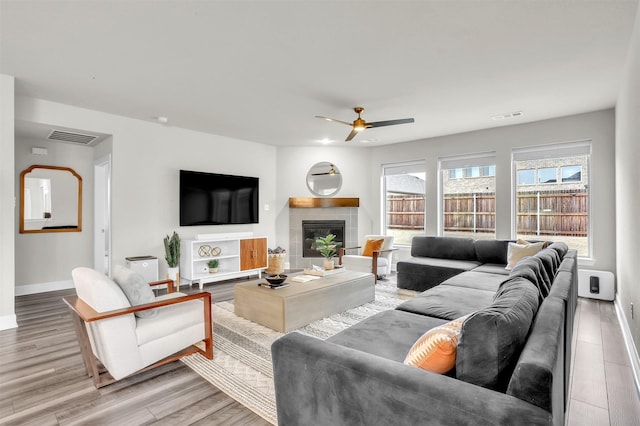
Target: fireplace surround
{"type": "Point", "coordinates": [326, 211]}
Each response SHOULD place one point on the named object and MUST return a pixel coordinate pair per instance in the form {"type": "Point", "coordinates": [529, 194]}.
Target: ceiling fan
{"type": "Point", "coordinates": [332, 171]}
{"type": "Point", "coordinates": [360, 124]}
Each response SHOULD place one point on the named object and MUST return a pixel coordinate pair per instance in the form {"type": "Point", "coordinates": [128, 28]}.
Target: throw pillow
{"type": "Point", "coordinates": [516, 251]}
{"type": "Point", "coordinates": [136, 288]}
{"type": "Point", "coordinates": [371, 246]}
{"type": "Point", "coordinates": [435, 350]}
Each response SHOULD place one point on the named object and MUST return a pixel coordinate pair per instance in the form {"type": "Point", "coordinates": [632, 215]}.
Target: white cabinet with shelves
{"type": "Point", "coordinates": [195, 255]}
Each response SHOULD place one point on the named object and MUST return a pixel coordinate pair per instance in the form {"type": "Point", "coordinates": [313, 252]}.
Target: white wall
{"type": "Point", "coordinates": [50, 257]}
{"type": "Point", "coordinates": [146, 159]}
{"type": "Point", "coordinates": [597, 126]}
{"type": "Point", "coordinates": [627, 163]}
{"type": "Point", "coordinates": [293, 163]}
{"type": "Point", "coordinates": [7, 203]}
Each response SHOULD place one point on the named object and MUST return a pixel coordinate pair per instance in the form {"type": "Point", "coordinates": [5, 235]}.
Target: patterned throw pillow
{"type": "Point", "coordinates": [435, 350]}
{"type": "Point", "coordinates": [371, 246]}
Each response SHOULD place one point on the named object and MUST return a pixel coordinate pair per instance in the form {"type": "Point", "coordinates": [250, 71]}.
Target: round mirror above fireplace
{"type": "Point", "coordinates": [324, 179]}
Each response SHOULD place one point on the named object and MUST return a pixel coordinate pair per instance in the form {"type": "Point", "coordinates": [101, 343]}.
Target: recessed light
{"type": "Point", "coordinates": [325, 141]}
{"type": "Point", "coordinates": [162, 120]}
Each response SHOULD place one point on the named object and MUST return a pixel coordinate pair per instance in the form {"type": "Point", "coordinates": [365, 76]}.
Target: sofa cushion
{"type": "Point", "coordinates": [422, 273]}
{"type": "Point", "coordinates": [516, 252]}
{"type": "Point", "coordinates": [493, 268]}
{"type": "Point", "coordinates": [136, 288]}
{"type": "Point", "coordinates": [448, 302]}
{"type": "Point", "coordinates": [435, 350]}
{"type": "Point", "coordinates": [477, 280]}
{"type": "Point", "coordinates": [370, 246]}
{"type": "Point", "coordinates": [169, 319]}
{"type": "Point", "coordinates": [533, 266]}
{"type": "Point", "coordinates": [492, 338]}
{"type": "Point", "coordinates": [550, 261]}
{"type": "Point", "coordinates": [388, 334]}
{"type": "Point", "coordinates": [491, 251]}
{"type": "Point", "coordinates": [560, 247]}
{"type": "Point", "coordinates": [537, 377]}
{"type": "Point", "coordinates": [443, 247]}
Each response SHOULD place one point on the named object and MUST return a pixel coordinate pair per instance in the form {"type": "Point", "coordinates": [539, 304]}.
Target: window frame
{"type": "Point", "coordinates": [550, 152]}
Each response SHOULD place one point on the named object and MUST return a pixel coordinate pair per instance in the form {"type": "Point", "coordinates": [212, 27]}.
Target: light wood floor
{"type": "Point", "coordinates": [43, 382]}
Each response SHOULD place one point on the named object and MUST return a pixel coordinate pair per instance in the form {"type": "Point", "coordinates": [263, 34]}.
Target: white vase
{"type": "Point", "coordinates": [174, 274]}
{"type": "Point", "coordinates": [328, 264]}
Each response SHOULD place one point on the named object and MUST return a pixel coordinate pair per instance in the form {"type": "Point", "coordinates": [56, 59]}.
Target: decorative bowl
{"type": "Point", "coordinates": [276, 279]}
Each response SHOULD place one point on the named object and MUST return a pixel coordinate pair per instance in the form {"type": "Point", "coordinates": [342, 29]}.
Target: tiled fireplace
{"type": "Point", "coordinates": [327, 218]}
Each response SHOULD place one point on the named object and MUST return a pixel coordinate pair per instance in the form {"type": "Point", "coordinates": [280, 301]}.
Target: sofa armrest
{"type": "Point", "coordinates": [88, 314]}
{"type": "Point", "coordinates": [170, 285]}
{"type": "Point", "coordinates": [318, 382]}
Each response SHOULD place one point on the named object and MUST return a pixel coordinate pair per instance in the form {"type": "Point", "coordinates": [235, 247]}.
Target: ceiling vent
{"type": "Point", "coordinates": [77, 138]}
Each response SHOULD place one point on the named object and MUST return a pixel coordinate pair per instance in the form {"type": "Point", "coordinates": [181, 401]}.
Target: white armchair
{"type": "Point", "coordinates": [378, 263]}
{"type": "Point", "coordinates": [109, 332]}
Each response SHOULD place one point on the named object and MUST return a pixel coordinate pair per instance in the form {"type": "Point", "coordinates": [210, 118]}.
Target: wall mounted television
{"type": "Point", "coordinates": [216, 199]}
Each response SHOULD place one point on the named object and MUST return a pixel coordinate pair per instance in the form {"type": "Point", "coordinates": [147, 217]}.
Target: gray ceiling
{"type": "Point", "coordinates": [261, 70]}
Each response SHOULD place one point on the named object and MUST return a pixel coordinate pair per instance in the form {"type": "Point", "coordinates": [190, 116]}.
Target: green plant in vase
{"type": "Point", "coordinates": [213, 266]}
{"type": "Point", "coordinates": [327, 248]}
{"type": "Point", "coordinates": [172, 256]}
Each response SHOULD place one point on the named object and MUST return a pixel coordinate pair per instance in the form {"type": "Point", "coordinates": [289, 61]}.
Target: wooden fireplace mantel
{"type": "Point", "coordinates": [319, 202]}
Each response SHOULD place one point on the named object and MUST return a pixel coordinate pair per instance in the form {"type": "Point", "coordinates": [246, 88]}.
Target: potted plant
{"type": "Point", "coordinates": [172, 256]}
{"type": "Point", "coordinates": [327, 248]}
{"type": "Point", "coordinates": [213, 266]}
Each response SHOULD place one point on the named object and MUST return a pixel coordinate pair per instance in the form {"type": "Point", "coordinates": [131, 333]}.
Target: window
{"type": "Point", "coordinates": [472, 172]}
{"type": "Point", "coordinates": [571, 173]}
{"type": "Point", "coordinates": [404, 194]}
{"type": "Point", "coordinates": [547, 175]}
{"type": "Point", "coordinates": [526, 177]}
{"type": "Point", "coordinates": [468, 201]}
{"type": "Point", "coordinates": [556, 206]}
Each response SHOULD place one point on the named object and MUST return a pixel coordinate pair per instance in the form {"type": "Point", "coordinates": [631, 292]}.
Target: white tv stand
{"type": "Point", "coordinates": [239, 256]}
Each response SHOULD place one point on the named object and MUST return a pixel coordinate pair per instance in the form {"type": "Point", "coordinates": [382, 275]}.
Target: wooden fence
{"type": "Point", "coordinates": [405, 212]}
{"type": "Point", "coordinates": [562, 212]}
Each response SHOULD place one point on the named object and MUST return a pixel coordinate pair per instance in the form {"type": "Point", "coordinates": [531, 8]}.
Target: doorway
{"type": "Point", "coordinates": [102, 215]}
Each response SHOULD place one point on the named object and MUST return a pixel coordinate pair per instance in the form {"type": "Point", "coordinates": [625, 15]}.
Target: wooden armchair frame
{"type": "Point", "coordinates": [374, 258]}
{"type": "Point", "coordinates": [82, 313]}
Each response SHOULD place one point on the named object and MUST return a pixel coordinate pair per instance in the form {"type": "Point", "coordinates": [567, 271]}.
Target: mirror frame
{"type": "Point", "coordinates": [322, 164]}
{"type": "Point", "coordinates": [22, 188]}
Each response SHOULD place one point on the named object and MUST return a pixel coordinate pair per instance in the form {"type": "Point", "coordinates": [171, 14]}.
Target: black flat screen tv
{"type": "Point", "coordinates": [215, 199]}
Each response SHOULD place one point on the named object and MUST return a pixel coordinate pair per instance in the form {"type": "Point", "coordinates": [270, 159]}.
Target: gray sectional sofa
{"type": "Point", "coordinates": [512, 360]}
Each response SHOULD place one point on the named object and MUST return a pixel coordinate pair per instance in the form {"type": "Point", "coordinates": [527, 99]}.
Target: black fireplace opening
{"type": "Point", "coordinates": [313, 229]}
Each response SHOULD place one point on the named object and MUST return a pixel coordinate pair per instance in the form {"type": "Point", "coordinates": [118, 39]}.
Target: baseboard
{"type": "Point", "coordinates": [22, 290]}
{"type": "Point", "coordinates": [628, 341]}
{"type": "Point", "coordinates": [8, 321]}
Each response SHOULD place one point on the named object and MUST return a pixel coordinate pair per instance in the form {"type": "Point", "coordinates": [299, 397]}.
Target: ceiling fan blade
{"type": "Point", "coordinates": [333, 119]}
{"type": "Point", "coordinates": [320, 174]}
{"type": "Point", "coordinates": [351, 135]}
{"type": "Point", "coordinates": [390, 122]}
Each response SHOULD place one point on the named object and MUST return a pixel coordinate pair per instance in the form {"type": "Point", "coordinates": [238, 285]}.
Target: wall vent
{"type": "Point", "coordinates": [77, 138]}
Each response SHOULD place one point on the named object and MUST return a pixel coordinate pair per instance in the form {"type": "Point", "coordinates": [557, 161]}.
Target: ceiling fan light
{"type": "Point", "coordinates": [358, 128]}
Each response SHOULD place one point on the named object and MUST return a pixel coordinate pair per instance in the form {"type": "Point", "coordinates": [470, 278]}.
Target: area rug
{"type": "Point", "coordinates": [242, 349]}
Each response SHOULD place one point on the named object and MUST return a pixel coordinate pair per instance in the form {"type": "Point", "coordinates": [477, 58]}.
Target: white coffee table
{"type": "Point", "coordinates": [299, 304]}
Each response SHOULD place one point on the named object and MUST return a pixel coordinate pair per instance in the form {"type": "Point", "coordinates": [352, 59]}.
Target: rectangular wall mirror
{"type": "Point", "coordinates": [50, 200]}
